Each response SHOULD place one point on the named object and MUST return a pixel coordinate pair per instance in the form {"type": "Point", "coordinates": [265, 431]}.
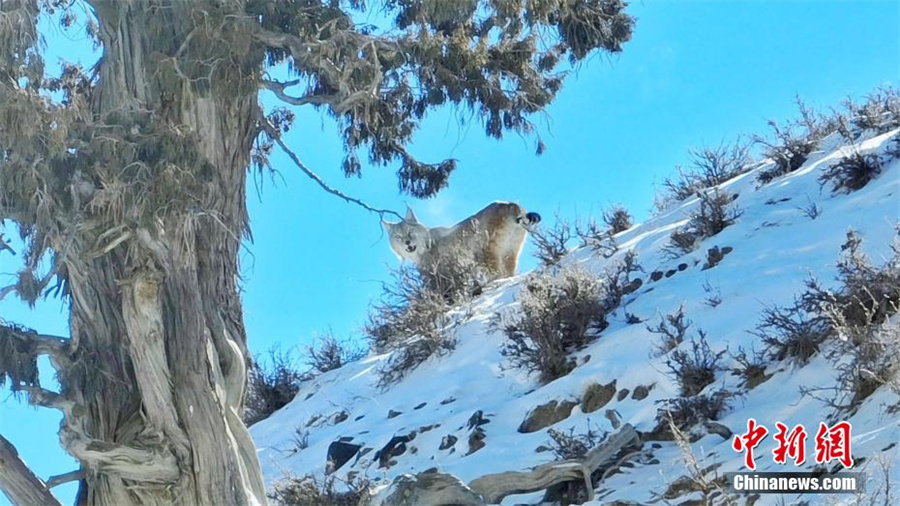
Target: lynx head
{"type": "Point", "coordinates": [409, 238]}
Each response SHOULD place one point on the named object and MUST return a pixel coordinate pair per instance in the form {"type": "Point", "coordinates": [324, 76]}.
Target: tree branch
{"type": "Point", "coordinates": [44, 344]}
{"type": "Point", "coordinates": [277, 88]}
{"type": "Point", "coordinates": [60, 479]}
{"type": "Point", "coordinates": [276, 137]}
{"type": "Point", "coordinates": [18, 482]}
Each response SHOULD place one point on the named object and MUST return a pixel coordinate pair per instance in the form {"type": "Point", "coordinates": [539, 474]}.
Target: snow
{"type": "Point", "coordinates": [777, 246]}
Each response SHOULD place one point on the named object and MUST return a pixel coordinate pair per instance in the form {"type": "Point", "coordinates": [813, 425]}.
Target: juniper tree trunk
{"type": "Point", "coordinates": [154, 300]}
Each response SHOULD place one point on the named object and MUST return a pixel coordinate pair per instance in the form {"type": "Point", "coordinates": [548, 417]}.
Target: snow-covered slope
{"type": "Point", "coordinates": [776, 246]}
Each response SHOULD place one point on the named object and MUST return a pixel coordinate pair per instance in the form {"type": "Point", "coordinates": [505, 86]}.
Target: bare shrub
{"type": "Point", "coordinates": [681, 240]}
{"type": "Point", "coordinates": [617, 219]}
{"type": "Point", "coordinates": [879, 112]}
{"type": "Point", "coordinates": [751, 368]}
{"type": "Point", "coordinates": [457, 277]}
{"type": "Point", "coordinates": [714, 215]}
{"type": "Point", "coordinates": [852, 172]}
{"type": "Point", "coordinates": [617, 280]}
{"type": "Point", "coordinates": [552, 244]}
{"type": "Point", "coordinates": [792, 333]}
{"type": "Point", "coordinates": [559, 309]}
{"type": "Point", "coordinates": [859, 312]}
{"type": "Point", "coordinates": [867, 293]}
{"type": "Point", "coordinates": [865, 358]}
{"type": "Point", "coordinates": [710, 166]}
{"type": "Point", "coordinates": [712, 490]}
{"type": "Point", "coordinates": [687, 412]}
{"type": "Point", "coordinates": [672, 328]}
{"type": "Point", "coordinates": [312, 491]}
{"type": "Point", "coordinates": [893, 150]}
{"type": "Point", "coordinates": [789, 150]}
{"type": "Point", "coordinates": [327, 353]}
{"type": "Point", "coordinates": [411, 320]}
{"type": "Point", "coordinates": [696, 368]}
{"type": "Point", "coordinates": [811, 210]}
{"type": "Point", "coordinates": [597, 238]}
{"type": "Point", "coordinates": [572, 446]}
{"type": "Point", "coordinates": [272, 384]}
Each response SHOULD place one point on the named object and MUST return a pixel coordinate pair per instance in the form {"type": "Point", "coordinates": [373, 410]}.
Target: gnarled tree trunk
{"type": "Point", "coordinates": [155, 301]}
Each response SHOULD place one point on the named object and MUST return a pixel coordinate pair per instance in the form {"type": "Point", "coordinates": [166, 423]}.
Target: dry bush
{"type": "Point", "coordinates": [696, 368]}
{"type": "Point", "coordinates": [879, 112]}
{"type": "Point", "coordinates": [411, 319]}
{"type": "Point", "coordinates": [457, 277]}
{"type": "Point", "coordinates": [617, 219]}
{"type": "Point", "coordinates": [559, 310]}
{"type": "Point", "coordinates": [312, 491]}
{"type": "Point", "coordinates": [327, 353]}
{"type": "Point", "coordinates": [572, 446]}
{"type": "Point", "coordinates": [867, 293]}
{"type": "Point", "coordinates": [617, 280]}
{"type": "Point", "coordinates": [710, 166]}
{"type": "Point", "coordinates": [792, 333]}
{"type": "Point", "coordinates": [789, 150]}
{"type": "Point", "coordinates": [858, 312]}
{"type": "Point", "coordinates": [673, 329]}
{"type": "Point", "coordinates": [271, 384]}
{"type": "Point", "coordinates": [714, 215]}
{"type": "Point", "coordinates": [687, 412]}
{"type": "Point", "coordinates": [552, 244]}
{"type": "Point", "coordinates": [866, 358]}
{"type": "Point", "coordinates": [597, 238]}
{"type": "Point", "coordinates": [852, 172]}
{"type": "Point", "coordinates": [751, 368]}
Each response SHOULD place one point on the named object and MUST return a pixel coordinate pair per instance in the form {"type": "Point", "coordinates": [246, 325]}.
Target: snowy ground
{"type": "Point", "coordinates": [776, 247]}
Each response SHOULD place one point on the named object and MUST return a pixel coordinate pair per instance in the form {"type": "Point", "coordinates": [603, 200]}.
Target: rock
{"type": "Point", "coordinates": [614, 419]}
{"type": "Point", "coordinates": [632, 286]}
{"type": "Point", "coordinates": [425, 488]}
{"type": "Point", "coordinates": [622, 394]}
{"type": "Point", "coordinates": [670, 273]}
{"type": "Point", "coordinates": [420, 406]}
{"type": "Point", "coordinates": [715, 255]}
{"type": "Point", "coordinates": [340, 417]}
{"type": "Point", "coordinates": [596, 396]}
{"type": "Point", "coordinates": [339, 453]}
{"type": "Point", "coordinates": [546, 415]}
{"type": "Point", "coordinates": [448, 441]}
{"type": "Point", "coordinates": [682, 267]}
{"type": "Point", "coordinates": [358, 418]}
{"type": "Point", "coordinates": [477, 420]}
{"type": "Point", "coordinates": [718, 428]}
{"type": "Point", "coordinates": [476, 440]}
{"type": "Point", "coordinates": [641, 392]}
{"type": "Point", "coordinates": [394, 414]}
{"type": "Point", "coordinates": [656, 275]}
{"type": "Point", "coordinates": [426, 428]}
{"type": "Point", "coordinates": [448, 400]}
{"type": "Point", "coordinates": [394, 448]}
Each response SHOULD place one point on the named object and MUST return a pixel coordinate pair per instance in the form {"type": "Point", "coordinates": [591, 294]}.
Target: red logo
{"type": "Point", "coordinates": [748, 441]}
{"type": "Point", "coordinates": [832, 443]}
{"type": "Point", "coordinates": [791, 445]}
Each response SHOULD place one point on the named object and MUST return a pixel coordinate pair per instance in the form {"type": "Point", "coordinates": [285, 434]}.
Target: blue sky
{"type": "Point", "coordinates": [696, 73]}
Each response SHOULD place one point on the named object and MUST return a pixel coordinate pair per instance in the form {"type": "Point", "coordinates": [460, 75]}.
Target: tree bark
{"type": "Point", "coordinates": [155, 301]}
{"type": "Point", "coordinates": [18, 482]}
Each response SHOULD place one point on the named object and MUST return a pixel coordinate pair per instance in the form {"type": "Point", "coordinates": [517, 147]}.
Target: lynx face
{"type": "Point", "coordinates": [409, 238]}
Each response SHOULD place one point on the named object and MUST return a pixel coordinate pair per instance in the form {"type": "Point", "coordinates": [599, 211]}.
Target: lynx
{"type": "Point", "coordinates": [493, 237]}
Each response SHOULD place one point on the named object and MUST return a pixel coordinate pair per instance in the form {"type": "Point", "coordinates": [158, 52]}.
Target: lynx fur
{"type": "Point", "coordinates": [492, 237]}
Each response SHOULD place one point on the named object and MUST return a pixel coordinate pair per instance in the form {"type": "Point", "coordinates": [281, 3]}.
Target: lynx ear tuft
{"type": "Point", "coordinates": [410, 215]}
